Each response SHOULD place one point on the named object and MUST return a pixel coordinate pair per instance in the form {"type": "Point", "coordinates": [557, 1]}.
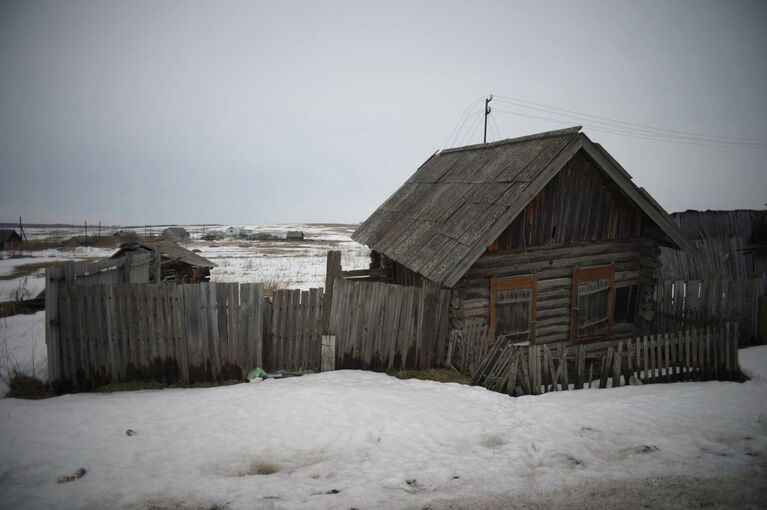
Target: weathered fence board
{"type": "Point", "coordinates": [133, 268]}
{"type": "Point", "coordinates": [681, 304]}
{"type": "Point", "coordinates": [166, 333]}
{"type": "Point", "coordinates": [692, 355]}
{"type": "Point", "coordinates": [382, 326]}
{"type": "Point", "coordinates": [295, 340]}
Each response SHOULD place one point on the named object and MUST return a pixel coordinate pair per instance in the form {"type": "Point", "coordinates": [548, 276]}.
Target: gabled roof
{"type": "Point", "coordinates": [179, 231]}
{"type": "Point", "coordinates": [169, 250]}
{"type": "Point", "coordinates": [7, 234]}
{"type": "Point", "coordinates": [443, 218]}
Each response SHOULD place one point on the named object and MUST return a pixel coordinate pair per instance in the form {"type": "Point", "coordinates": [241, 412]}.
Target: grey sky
{"type": "Point", "coordinates": [245, 112]}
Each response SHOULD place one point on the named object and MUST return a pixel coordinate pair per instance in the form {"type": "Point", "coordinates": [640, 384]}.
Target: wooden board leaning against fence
{"type": "Point", "coordinates": [703, 354]}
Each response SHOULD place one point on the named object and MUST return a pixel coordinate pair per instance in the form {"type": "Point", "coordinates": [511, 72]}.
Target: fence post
{"type": "Point", "coordinates": [328, 361]}
{"type": "Point", "coordinates": [332, 271]}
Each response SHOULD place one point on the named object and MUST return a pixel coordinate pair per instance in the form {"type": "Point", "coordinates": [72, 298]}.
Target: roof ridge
{"type": "Point", "coordinates": [526, 138]}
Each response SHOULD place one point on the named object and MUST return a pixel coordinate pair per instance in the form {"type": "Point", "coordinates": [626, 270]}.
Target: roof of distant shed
{"type": "Point", "coordinates": [169, 250]}
{"type": "Point", "coordinates": [443, 218]}
{"type": "Point", "coordinates": [8, 233]}
{"type": "Point", "coordinates": [179, 231]}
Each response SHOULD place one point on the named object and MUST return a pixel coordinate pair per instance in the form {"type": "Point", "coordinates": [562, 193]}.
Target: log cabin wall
{"type": "Point", "coordinates": [635, 262]}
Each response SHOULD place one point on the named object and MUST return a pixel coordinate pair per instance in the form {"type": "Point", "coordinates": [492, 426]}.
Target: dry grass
{"type": "Point", "coordinates": [25, 386]}
{"type": "Point", "coordinates": [23, 270]}
{"type": "Point", "coordinates": [54, 243]}
{"type": "Point", "coordinates": [272, 285]}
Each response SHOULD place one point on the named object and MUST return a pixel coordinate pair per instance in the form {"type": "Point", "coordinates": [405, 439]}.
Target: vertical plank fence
{"type": "Point", "coordinates": [681, 304]}
{"type": "Point", "coordinates": [705, 354]}
{"type": "Point", "coordinates": [165, 333]}
{"type": "Point", "coordinates": [381, 326]}
{"type": "Point", "coordinates": [294, 340]}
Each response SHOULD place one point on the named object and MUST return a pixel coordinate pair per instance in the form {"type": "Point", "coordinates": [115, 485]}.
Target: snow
{"type": "Point", "coordinates": [380, 442]}
{"type": "Point", "coordinates": [22, 346]}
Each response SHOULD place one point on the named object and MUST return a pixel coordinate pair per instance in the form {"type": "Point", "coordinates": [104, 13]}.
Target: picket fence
{"type": "Point", "coordinates": [695, 355]}
{"type": "Point", "coordinates": [684, 303]}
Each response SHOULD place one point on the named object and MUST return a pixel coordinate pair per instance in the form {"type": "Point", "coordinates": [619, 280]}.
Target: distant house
{"type": "Point", "coordinates": [175, 234]}
{"type": "Point", "coordinates": [236, 233]}
{"type": "Point", "coordinates": [177, 263]}
{"type": "Point", "coordinates": [544, 238]}
{"type": "Point", "coordinates": [9, 239]}
{"type": "Point", "coordinates": [125, 235]}
{"type": "Point", "coordinates": [294, 235]}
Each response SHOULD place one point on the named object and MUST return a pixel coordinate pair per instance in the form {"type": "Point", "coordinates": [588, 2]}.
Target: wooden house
{"type": "Point", "coordinates": [175, 234]}
{"type": "Point", "coordinates": [9, 239]}
{"type": "Point", "coordinates": [544, 237]}
{"type": "Point", "coordinates": [177, 263]}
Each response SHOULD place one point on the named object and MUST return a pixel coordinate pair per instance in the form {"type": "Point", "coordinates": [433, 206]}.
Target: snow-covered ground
{"type": "Point", "coordinates": [31, 285]}
{"type": "Point", "coordinates": [287, 264]}
{"type": "Point", "coordinates": [294, 265]}
{"type": "Point", "coordinates": [353, 439]}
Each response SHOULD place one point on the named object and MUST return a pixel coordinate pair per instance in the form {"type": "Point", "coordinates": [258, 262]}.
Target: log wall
{"type": "Point", "coordinates": [636, 263]}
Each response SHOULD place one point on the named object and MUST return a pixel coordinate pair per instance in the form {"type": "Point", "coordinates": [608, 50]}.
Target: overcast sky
{"type": "Point", "coordinates": [135, 112]}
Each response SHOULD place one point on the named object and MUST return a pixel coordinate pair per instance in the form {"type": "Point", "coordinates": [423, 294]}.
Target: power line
{"type": "Point", "coordinates": [632, 126]}
{"type": "Point", "coordinates": [497, 131]}
{"type": "Point", "coordinates": [473, 130]}
{"type": "Point", "coordinates": [462, 120]}
{"type": "Point", "coordinates": [635, 134]}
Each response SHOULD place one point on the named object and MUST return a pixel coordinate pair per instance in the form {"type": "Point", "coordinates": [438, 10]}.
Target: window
{"type": "Point", "coordinates": [512, 306]}
{"type": "Point", "coordinates": [593, 300]}
{"type": "Point", "coordinates": [626, 303]}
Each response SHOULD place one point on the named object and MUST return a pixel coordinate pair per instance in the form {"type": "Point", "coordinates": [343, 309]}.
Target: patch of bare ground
{"type": "Point", "coordinates": [742, 491]}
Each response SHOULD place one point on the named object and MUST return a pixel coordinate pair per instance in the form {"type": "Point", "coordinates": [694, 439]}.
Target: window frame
{"type": "Point", "coordinates": [588, 274]}
{"type": "Point", "coordinates": [500, 283]}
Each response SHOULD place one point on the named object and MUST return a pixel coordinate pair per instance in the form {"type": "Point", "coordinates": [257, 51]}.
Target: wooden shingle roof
{"type": "Point", "coordinates": [443, 218]}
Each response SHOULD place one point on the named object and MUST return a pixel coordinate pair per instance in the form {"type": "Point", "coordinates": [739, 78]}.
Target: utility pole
{"type": "Point", "coordinates": [86, 233]}
{"type": "Point", "coordinates": [22, 234]}
{"type": "Point", "coordinates": [487, 112]}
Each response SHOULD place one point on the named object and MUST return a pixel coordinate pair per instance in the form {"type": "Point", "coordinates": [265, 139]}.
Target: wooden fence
{"type": "Point", "coordinates": [293, 335]}
{"type": "Point", "coordinates": [694, 355]}
{"type": "Point", "coordinates": [681, 304]}
{"type": "Point", "coordinates": [382, 326]}
{"type": "Point", "coordinates": [167, 333]}
{"type": "Point", "coordinates": [133, 269]}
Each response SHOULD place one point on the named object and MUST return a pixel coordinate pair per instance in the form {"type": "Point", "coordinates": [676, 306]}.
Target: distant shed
{"type": "Point", "coordinates": [294, 235]}
{"type": "Point", "coordinates": [9, 239]}
{"type": "Point", "coordinates": [175, 234]}
{"type": "Point", "coordinates": [177, 264]}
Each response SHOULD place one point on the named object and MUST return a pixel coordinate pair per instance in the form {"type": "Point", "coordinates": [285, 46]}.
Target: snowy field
{"type": "Point", "coordinates": [352, 439]}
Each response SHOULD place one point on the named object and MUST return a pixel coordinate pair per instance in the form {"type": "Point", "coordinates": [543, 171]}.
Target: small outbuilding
{"type": "Point", "coordinates": [175, 234]}
{"type": "Point", "coordinates": [9, 239]}
{"type": "Point", "coordinates": [545, 238]}
{"type": "Point", "coordinates": [177, 263]}
{"type": "Point", "coordinates": [294, 235]}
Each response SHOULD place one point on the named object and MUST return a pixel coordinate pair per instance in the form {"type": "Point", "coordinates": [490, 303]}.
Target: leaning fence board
{"type": "Point", "coordinates": [663, 358]}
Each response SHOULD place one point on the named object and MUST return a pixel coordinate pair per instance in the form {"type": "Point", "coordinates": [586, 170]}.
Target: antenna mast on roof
{"type": "Point", "coordinates": [487, 112]}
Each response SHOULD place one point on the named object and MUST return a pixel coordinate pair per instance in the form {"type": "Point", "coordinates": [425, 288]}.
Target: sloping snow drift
{"type": "Point", "coordinates": [365, 440]}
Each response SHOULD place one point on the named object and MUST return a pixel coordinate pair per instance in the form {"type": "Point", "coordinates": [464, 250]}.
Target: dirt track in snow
{"type": "Point", "coordinates": [747, 490]}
